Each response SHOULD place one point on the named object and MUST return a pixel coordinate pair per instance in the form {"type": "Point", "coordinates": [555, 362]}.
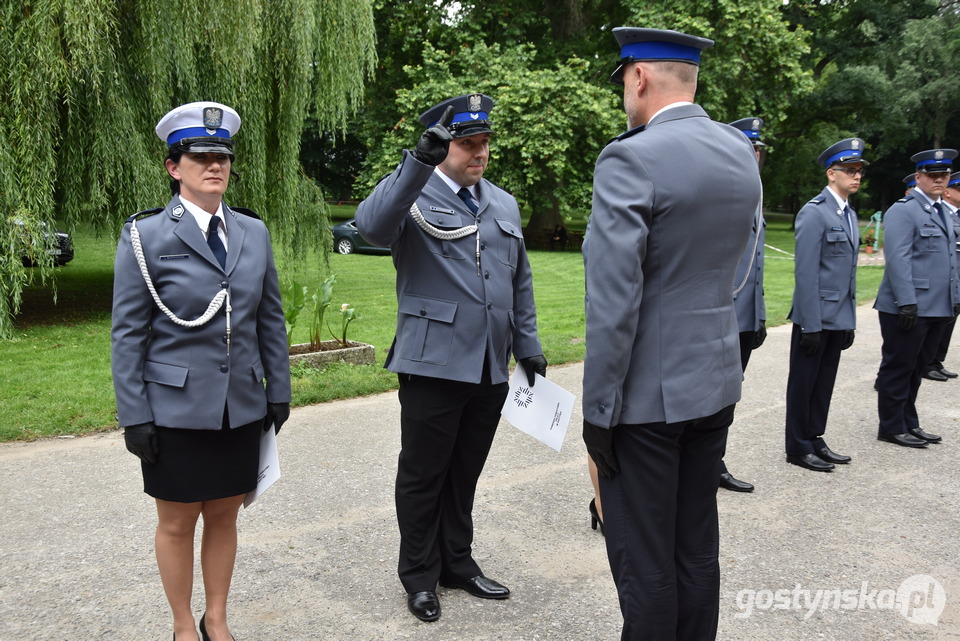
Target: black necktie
{"type": "Point", "coordinates": [216, 245]}
{"type": "Point", "coordinates": [940, 211]}
{"type": "Point", "coordinates": [465, 196]}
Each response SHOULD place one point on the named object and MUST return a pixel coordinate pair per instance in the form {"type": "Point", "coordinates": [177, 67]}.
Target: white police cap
{"type": "Point", "coordinates": [200, 127]}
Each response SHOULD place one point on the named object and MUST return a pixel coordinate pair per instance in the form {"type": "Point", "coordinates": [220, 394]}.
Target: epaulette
{"type": "Point", "coordinates": [143, 214]}
{"type": "Point", "coordinates": [245, 212]}
{"type": "Point", "coordinates": [627, 134]}
{"type": "Point", "coordinates": [816, 200]}
{"type": "Point", "coordinates": [906, 198]}
{"type": "Point", "coordinates": [384, 177]}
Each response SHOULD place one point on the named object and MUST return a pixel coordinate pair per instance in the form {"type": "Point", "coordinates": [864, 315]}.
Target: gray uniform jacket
{"type": "Point", "coordinates": [183, 377]}
{"type": "Point", "coordinates": [921, 260]}
{"type": "Point", "coordinates": [450, 317]}
{"type": "Point", "coordinates": [672, 210]}
{"type": "Point", "coordinates": [825, 267]}
{"type": "Point", "coordinates": [748, 302]}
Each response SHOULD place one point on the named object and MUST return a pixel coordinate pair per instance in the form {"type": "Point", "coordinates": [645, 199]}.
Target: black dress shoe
{"type": "Point", "coordinates": [924, 436]}
{"type": "Point", "coordinates": [595, 519]}
{"type": "Point", "coordinates": [811, 462]}
{"type": "Point", "coordinates": [948, 373]}
{"type": "Point", "coordinates": [424, 605]}
{"type": "Point", "coordinates": [203, 629]}
{"type": "Point", "coordinates": [830, 456]}
{"type": "Point", "coordinates": [906, 440]}
{"type": "Point", "coordinates": [934, 375]}
{"type": "Point", "coordinates": [729, 483]}
{"type": "Point", "coordinates": [479, 586]}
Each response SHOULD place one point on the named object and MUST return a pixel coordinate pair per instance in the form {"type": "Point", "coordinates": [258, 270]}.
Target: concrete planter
{"type": "Point", "coordinates": [332, 352]}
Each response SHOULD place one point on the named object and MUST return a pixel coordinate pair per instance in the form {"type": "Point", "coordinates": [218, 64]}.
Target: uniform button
{"type": "Point", "coordinates": [489, 305]}
{"type": "Point", "coordinates": [423, 312]}
{"type": "Point", "coordinates": [483, 245]}
{"type": "Point", "coordinates": [224, 369]}
{"type": "Point", "coordinates": [223, 284]}
{"type": "Point", "coordinates": [602, 408]}
{"type": "Point", "coordinates": [224, 339]}
{"type": "Point", "coordinates": [486, 275]}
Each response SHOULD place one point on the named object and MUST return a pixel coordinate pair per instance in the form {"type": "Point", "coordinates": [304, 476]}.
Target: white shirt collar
{"type": "Point", "coordinates": [682, 103]}
{"type": "Point", "coordinates": [930, 200]}
{"type": "Point", "coordinates": [452, 184]}
{"type": "Point", "coordinates": [840, 201]}
{"type": "Point", "coordinates": [203, 218]}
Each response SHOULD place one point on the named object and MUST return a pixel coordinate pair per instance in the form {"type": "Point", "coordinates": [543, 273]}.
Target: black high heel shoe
{"type": "Point", "coordinates": [595, 516]}
{"type": "Point", "coordinates": [203, 629]}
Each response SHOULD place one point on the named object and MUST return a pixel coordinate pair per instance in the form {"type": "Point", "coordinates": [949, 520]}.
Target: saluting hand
{"type": "Point", "coordinates": [277, 415]}
{"type": "Point", "coordinates": [142, 440]}
{"type": "Point", "coordinates": [434, 143]}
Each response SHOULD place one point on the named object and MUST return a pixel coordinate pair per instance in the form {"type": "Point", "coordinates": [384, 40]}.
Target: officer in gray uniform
{"type": "Point", "coordinates": [918, 296]}
{"type": "Point", "coordinates": [674, 199]}
{"type": "Point", "coordinates": [951, 201]}
{"type": "Point", "coordinates": [748, 291]}
{"type": "Point", "coordinates": [824, 311]}
{"type": "Point", "coordinates": [466, 305]}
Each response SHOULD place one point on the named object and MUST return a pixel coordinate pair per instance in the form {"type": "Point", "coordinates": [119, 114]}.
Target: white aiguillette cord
{"type": "Point", "coordinates": [212, 308]}
{"type": "Point", "coordinates": [418, 218]}
{"type": "Point", "coordinates": [758, 217]}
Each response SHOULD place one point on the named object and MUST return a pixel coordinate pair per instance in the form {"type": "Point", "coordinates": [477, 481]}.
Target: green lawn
{"type": "Point", "coordinates": [55, 376]}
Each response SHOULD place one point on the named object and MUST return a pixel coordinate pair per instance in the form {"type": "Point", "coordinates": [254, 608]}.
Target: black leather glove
{"type": "Point", "coordinates": [277, 415]}
{"type": "Point", "coordinates": [907, 317]}
{"type": "Point", "coordinates": [599, 442]}
{"type": "Point", "coordinates": [847, 339]}
{"type": "Point", "coordinates": [534, 364]}
{"type": "Point", "coordinates": [761, 335]}
{"type": "Point", "coordinates": [434, 143]}
{"type": "Point", "coordinates": [142, 440]}
{"type": "Point", "coordinates": [810, 342]}
{"type": "Point", "coordinates": [956, 309]}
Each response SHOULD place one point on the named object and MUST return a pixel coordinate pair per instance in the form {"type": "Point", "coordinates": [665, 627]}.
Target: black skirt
{"type": "Point", "coordinates": [203, 465]}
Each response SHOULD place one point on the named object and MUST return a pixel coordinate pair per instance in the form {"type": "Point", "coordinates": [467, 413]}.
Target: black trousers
{"type": "Point", "coordinates": [446, 430]}
{"type": "Point", "coordinates": [747, 339]}
{"type": "Point", "coordinates": [809, 390]}
{"type": "Point", "coordinates": [943, 345]}
{"type": "Point", "coordinates": [661, 527]}
{"type": "Point", "coordinates": [905, 355]}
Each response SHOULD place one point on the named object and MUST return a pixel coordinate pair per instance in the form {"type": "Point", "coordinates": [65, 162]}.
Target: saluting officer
{"type": "Point", "coordinates": [465, 295]}
{"type": "Point", "coordinates": [918, 296]}
{"type": "Point", "coordinates": [748, 287]}
{"type": "Point", "coordinates": [674, 199]}
{"type": "Point", "coordinates": [190, 384]}
{"type": "Point", "coordinates": [824, 311]}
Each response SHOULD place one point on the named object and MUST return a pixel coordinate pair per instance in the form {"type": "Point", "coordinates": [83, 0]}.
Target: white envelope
{"type": "Point", "coordinates": [542, 411]}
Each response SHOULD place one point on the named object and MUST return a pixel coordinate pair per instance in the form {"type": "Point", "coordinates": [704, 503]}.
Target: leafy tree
{"type": "Point", "coordinates": [84, 82]}
{"type": "Point", "coordinates": [550, 124]}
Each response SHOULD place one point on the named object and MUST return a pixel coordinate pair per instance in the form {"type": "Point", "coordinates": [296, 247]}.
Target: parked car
{"type": "Point", "coordinates": [347, 240]}
{"type": "Point", "coordinates": [62, 249]}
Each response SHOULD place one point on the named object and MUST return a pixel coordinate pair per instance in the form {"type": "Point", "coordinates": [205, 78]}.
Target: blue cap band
{"type": "Point", "coordinates": [945, 162]}
{"type": "Point", "coordinates": [195, 132]}
{"type": "Point", "coordinates": [467, 116]}
{"type": "Point", "coordinates": [852, 155]}
{"type": "Point", "coordinates": [660, 51]}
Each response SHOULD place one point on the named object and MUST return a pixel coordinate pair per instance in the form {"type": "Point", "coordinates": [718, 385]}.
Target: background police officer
{"type": "Point", "coordinates": [824, 305]}
{"type": "Point", "coordinates": [918, 296]}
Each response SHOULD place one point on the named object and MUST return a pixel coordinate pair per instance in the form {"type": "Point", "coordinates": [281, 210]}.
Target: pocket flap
{"type": "Point", "coordinates": [172, 375]}
{"type": "Point", "coordinates": [836, 237]}
{"type": "Point", "coordinates": [921, 283]}
{"type": "Point", "coordinates": [930, 232]}
{"type": "Point", "coordinates": [832, 295]}
{"type": "Point", "coordinates": [509, 227]}
{"type": "Point", "coordinates": [432, 308]}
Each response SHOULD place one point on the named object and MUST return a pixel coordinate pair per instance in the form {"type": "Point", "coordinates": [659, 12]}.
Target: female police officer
{"type": "Point", "coordinates": [197, 329]}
